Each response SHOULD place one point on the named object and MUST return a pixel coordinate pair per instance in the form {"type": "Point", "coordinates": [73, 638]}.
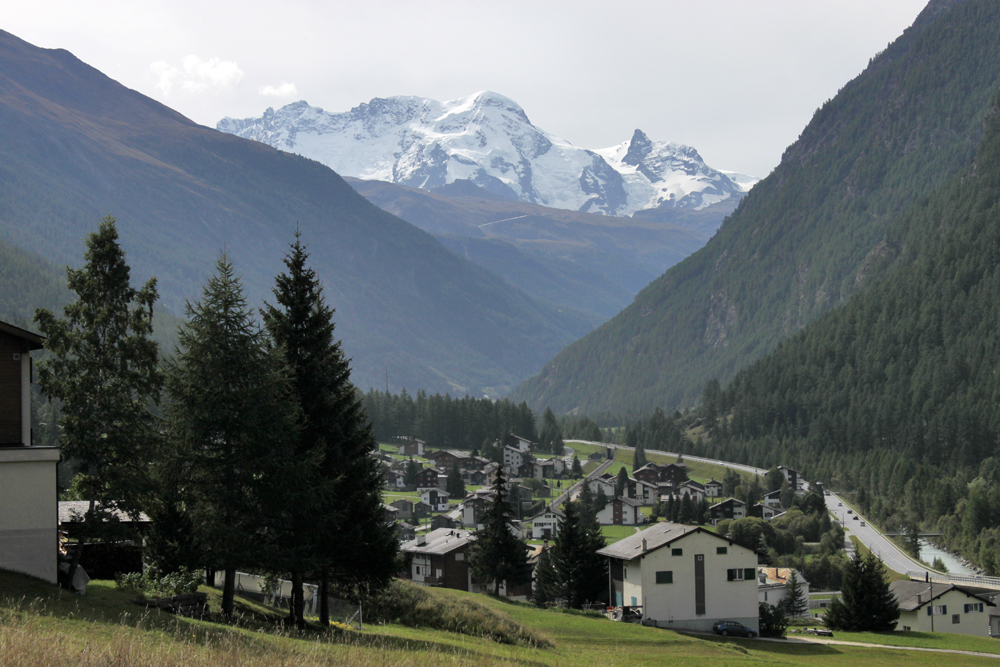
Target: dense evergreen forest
{"type": "Point", "coordinates": [803, 240]}
{"type": "Point", "coordinates": [894, 395]}
{"type": "Point", "coordinates": [445, 422]}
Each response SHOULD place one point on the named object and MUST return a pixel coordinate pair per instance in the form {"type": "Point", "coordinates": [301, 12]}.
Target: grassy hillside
{"type": "Point", "coordinates": [76, 146]}
{"type": "Point", "coordinates": [803, 240]}
{"type": "Point", "coordinates": [39, 626]}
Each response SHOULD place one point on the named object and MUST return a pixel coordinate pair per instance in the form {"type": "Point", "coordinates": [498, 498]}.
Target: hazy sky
{"type": "Point", "coordinates": [736, 80]}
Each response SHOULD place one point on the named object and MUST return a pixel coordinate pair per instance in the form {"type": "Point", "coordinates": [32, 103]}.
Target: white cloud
{"type": "Point", "coordinates": [195, 75]}
{"type": "Point", "coordinates": [283, 90]}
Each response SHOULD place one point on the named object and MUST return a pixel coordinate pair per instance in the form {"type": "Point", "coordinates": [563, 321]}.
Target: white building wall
{"type": "Point", "coordinates": [29, 512]}
{"type": "Point", "coordinates": [975, 623]}
{"type": "Point", "coordinates": [673, 605]}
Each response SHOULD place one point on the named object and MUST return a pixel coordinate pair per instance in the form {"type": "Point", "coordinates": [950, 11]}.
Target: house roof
{"type": "Point", "coordinates": [779, 576]}
{"type": "Point", "coordinates": [34, 341]}
{"type": "Point", "coordinates": [72, 511]}
{"type": "Point", "coordinates": [913, 595]}
{"type": "Point", "coordinates": [713, 482]}
{"type": "Point", "coordinates": [547, 510]}
{"type": "Point", "coordinates": [439, 541]}
{"type": "Point", "coordinates": [629, 501]}
{"type": "Point", "coordinates": [729, 501]}
{"type": "Point", "coordinates": [457, 453]}
{"type": "Point", "coordinates": [693, 485]}
{"type": "Point", "coordinates": [656, 536]}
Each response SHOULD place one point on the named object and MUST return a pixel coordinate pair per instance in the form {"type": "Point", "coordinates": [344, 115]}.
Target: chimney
{"type": "Point", "coordinates": [421, 539]}
{"type": "Point", "coordinates": [644, 544]}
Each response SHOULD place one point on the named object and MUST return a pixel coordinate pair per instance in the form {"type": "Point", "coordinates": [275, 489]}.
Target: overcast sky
{"type": "Point", "coordinates": [736, 80]}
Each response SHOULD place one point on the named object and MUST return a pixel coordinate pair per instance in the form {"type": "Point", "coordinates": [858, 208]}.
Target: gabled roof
{"type": "Point", "coordinates": [656, 536]}
{"type": "Point", "coordinates": [693, 485]}
{"type": "Point", "coordinates": [913, 595]}
{"type": "Point", "coordinates": [629, 501]}
{"type": "Point", "coordinates": [713, 482]}
{"type": "Point", "coordinates": [548, 510]}
{"type": "Point", "coordinates": [779, 576]}
{"type": "Point", "coordinates": [729, 501]}
{"type": "Point", "coordinates": [34, 341]}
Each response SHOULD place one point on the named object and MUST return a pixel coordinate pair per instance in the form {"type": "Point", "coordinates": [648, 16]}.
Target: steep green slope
{"type": "Point", "coordinates": [896, 392]}
{"type": "Point", "coordinates": [76, 146]}
{"type": "Point", "coordinates": [802, 239]}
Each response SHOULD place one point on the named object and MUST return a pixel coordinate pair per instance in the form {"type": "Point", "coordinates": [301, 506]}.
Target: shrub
{"type": "Point", "coordinates": [151, 584]}
{"type": "Point", "coordinates": [773, 621]}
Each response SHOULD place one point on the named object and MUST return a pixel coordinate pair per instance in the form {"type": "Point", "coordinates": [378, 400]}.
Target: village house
{"type": "Point", "coordinates": [405, 532]}
{"type": "Point", "coordinates": [429, 478]}
{"type": "Point", "coordinates": [514, 459]}
{"type": "Point", "coordinates": [773, 499]}
{"type": "Point", "coordinates": [603, 483]}
{"type": "Point", "coordinates": [28, 495]}
{"type": "Point", "coordinates": [545, 525]}
{"type": "Point", "coordinates": [474, 508]}
{"type": "Point", "coordinates": [394, 479]}
{"type": "Point", "coordinates": [772, 584]}
{"type": "Point", "coordinates": [444, 521]}
{"type": "Point", "coordinates": [794, 479]}
{"type": "Point", "coordinates": [762, 511]}
{"type": "Point", "coordinates": [440, 558]}
{"type": "Point", "coordinates": [421, 510]}
{"type": "Point", "coordinates": [621, 512]}
{"type": "Point", "coordinates": [683, 577]}
{"type": "Point", "coordinates": [690, 488]}
{"type": "Point", "coordinates": [413, 447]}
{"type": "Point", "coordinates": [436, 498]}
{"type": "Point", "coordinates": [404, 509]}
{"type": "Point", "coordinates": [647, 494]}
{"type": "Point", "coordinates": [444, 459]}
{"type": "Point", "coordinates": [938, 607]}
{"type": "Point", "coordinates": [548, 468]}
{"type": "Point", "coordinates": [517, 442]}
{"type": "Point", "coordinates": [727, 509]}
{"type": "Point", "coordinates": [474, 478]}
{"type": "Point", "coordinates": [389, 513]}
{"type": "Point", "coordinates": [713, 488]}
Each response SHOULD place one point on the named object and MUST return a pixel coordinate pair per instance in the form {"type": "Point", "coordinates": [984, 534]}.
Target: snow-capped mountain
{"type": "Point", "coordinates": [487, 140]}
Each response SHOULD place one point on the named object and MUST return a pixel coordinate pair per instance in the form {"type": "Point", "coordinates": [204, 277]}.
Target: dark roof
{"type": "Point", "coordinates": [35, 342]}
{"type": "Point", "coordinates": [913, 595]}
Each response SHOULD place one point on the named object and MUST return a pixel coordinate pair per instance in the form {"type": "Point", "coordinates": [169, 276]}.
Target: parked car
{"type": "Point", "coordinates": [726, 628]}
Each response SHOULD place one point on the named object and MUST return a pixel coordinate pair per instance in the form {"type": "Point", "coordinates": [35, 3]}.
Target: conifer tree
{"type": "Point", "coordinates": [105, 371]}
{"type": "Point", "coordinates": [794, 603]}
{"type": "Point", "coordinates": [497, 555]}
{"type": "Point", "coordinates": [545, 589]}
{"type": "Point", "coordinates": [233, 419]}
{"type": "Point", "coordinates": [410, 473]}
{"type": "Point", "coordinates": [866, 604]}
{"type": "Point", "coordinates": [455, 486]}
{"type": "Point", "coordinates": [639, 457]}
{"type": "Point", "coordinates": [576, 469]}
{"type": "Point", "coordinates": [335, 527]}
{"type": "Point", "coordinates": [551, 439]}
{"type": "Point", "coordinates": [621, 483]}
{"type": "Point", "coordinates": [581, 574]}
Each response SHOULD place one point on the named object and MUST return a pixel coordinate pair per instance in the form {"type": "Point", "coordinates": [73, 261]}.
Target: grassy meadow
{"type": "Point", "coordinates": [42, 626]}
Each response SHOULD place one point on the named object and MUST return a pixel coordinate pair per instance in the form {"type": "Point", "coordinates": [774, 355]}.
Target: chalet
{"type": "Point", "coordinates": [395, 479]}
{"type": "Point", "coordinates": [475, 463]}
{"type": "Point", "coordinates": [389, 513]}
{"type": "Point", "coordinates": [444, 459]}
{"type": "Point", "coordinates": [649, 473]}
{"type": "Point", "coordinates": [762, 511]}
{"type": "Point", "coordinates": [596, 456]}
{"type": "Point", "coordinates": [621, 512]}
{"type": "Point", "coordinates": [730, 508]}
{"type": "Point", "coordinates": [644, 492]}
{"type": "Point", "coordinates": [772, 584]}
{"type": "Point", "coordinates": [436, 498]}
{"type": "Point", "coordinates": [683, 577]}
{"type": "Point", "coordinates": [404, 509]}
{"type": "Point", "coordinates": [674, 472]}
{"type": "Point", "coordinates": [513, 458]}
{"type": "Point", "coordinates": [548, 468]}
{"type": "Point", "coordinates": [428, 478]}
{"type": "Point", "coordinates": [421, 510]}
{"type": "Point", "coordinates": [517, 442]}
{"type": "Point", "coordinates": [474, 508]}
{"type": "Point", "coordinates": [713, 489]}
{"type": "Point", "coordinates": [28, 494]}
{"type": "Point", "coordinates": [474, 478]}
{"type": "Point", "coordinates": [545, 525]}
{"type": "Point", "coordinates": [440, 558]}
{"type": "Point", "coordinates": [690, 488]}
{"type": "Point", "coordinates": [773, 499]}
{"type": "Point", "coordinates": [605, 483]}
{"type": "Point", "coordinates": [413, 447]}
{"type": "Point", "coordinates": [794, 479]}
{"type": "Point", "coordinates": [938, 607]}
{"type": "Point", "coordinates": [405, 532]}
{"type": "Point", "coordinates": [444, 521]}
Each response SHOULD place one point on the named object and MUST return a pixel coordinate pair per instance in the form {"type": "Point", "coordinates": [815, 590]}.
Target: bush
{"type": "Point", "coordinates": [406, 603]}
{"type": "Point", "coordinates": [151, 584]}
{"type": "Point", "coordinates": [773, 621]}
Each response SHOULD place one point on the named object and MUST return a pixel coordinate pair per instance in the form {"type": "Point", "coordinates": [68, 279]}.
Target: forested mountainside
{"type": "Point", "coordinates": [583, 261]}
{"type": "Point", "coordinates": [76, 146]}
{"type": "Point", "coordinates": [803, 240]}
{"type": "Point", "coordinates": [895, 393]}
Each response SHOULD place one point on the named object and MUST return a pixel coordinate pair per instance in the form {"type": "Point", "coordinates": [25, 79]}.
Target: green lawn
{"type": "Point", "coordinates": [41, 625]}
{"type": "Point", "coordinates": [614, 533]}
{"type": "Point", "coordinates": [940, 640]}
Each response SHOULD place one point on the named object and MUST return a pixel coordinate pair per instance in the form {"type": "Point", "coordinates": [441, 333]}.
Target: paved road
{"type": "Point", "coordinates": [599, 470]}
{"type": "Point", "coordinates": [880, 545]}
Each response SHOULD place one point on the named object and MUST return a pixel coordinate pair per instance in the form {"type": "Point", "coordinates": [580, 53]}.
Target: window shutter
{"type": "Point", "coordinates": [944, 609]}
{"type": "Point", "coordinates": [730, 575]}
{"type": "Point", "coordinates": [749, 573]}
{"type": "Point", "coordinates": [930, 611]}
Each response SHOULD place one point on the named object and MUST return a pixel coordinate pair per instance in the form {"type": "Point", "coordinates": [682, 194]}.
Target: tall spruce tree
{"type": "Point", "coordinates": [456, 485]}
{"type": "Point", "coordinates": [233, 419]}
{"type": "Point", "coordinates": [581, 575]}
{"type": "Point", "coordinates": [794, 603]}
{"type": "Point", "coordinates": [639, 457]}
{"type": "Point", "coordinates": [546, 585]}
{"type": "Point", "coordinates": [105, 371]}
{"type": "Point", "coordinates": [497, 555]}
{"type": "Point", "coordinates": [551, 438]}
{"type": "Point", "coordinates": [866, 604]}
{"type": "Point", "coordinates": [335, 527]}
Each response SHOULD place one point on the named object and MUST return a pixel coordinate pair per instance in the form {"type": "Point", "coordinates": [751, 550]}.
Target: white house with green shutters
{"type": "Point", "coordinates": [683, 577]}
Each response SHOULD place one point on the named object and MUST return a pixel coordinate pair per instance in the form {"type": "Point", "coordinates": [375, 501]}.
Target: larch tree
{"type": "Point", "coordinates": [336, 529]}
{"type": "Point", "coordinates": [105, 372]}
{"type": "Point", "coordinates": [232, 419]}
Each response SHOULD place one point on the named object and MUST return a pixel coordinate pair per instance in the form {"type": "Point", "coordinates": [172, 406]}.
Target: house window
{"type": "Point", "coordinates": [975, 606]}
{"type": "Point", "coordinates": [665, 577]}
{"type": "Point", "coordinates": [741, 574]}
{"type": "Point", "coordinates": [938, 610]}
{"type": "Point", "coordinates": [906, 628]}
{"type": "Point", "coordinates": [676, 552]}
{"type": "Point", "coordinates": [416, 569]}
{"type": "Point", "coordinates": [956, 618]}
{"type": "Point", "coordinates": [722, 550]}
{"type": "Point", "coordinates": [459, 556]}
